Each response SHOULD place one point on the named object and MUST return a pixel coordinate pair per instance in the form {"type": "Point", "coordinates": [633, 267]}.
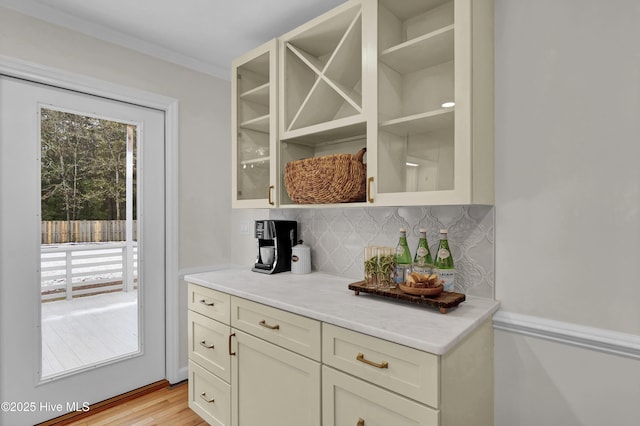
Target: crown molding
{"type": "Point", "coordinates": [56, 17]}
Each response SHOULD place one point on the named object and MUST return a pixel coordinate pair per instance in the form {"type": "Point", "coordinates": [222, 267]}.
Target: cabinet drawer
{"type": "Point", "coordinates": [347, 400]}
{"type": "Point", "coordinates": [408, 371]}
{"type": "Point", "coordinates": [209, 396]}
{"type": "Point", "coordinates": [208, 302]}
{"type": "Point", "coordinates": [290, 331]}
{"type": "Point", "coordinates": [209, 344]}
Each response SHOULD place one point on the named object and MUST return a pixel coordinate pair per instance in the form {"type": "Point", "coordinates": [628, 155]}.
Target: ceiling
{"type": "Point", "coordinates": [204, 35]}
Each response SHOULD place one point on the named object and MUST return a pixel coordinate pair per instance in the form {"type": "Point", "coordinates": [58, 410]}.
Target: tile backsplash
{"type": "Point", "coordinates": [337, 237]}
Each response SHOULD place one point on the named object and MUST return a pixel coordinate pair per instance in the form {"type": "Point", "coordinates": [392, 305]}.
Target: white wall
{"type": "Point", "coordinates": [204, 123]}
{"type": "Point", "coordinates": [568, 208]}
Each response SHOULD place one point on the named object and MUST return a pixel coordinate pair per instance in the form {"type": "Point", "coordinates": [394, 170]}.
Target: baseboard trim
{"type": "Point", "coordinates": [608, 341]}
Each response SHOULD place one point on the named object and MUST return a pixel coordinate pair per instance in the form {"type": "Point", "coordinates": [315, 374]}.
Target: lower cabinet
{"type": "Point", "coordinates": [273, 386]}
{"type": "Point", "coordinates": [255, 365]}
{"type": "Point", "coordinates": [366, 379]}
{"type": "Point", "coordinates": [250, 364]}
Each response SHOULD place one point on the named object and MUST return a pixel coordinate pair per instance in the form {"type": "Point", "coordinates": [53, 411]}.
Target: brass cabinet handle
{"type": "Point", "coordinates": [230, 336]}
{"type": "Point", "coordinates": [271, 187]}
{"type": "Point", "coordinates": [271, 327]}
{"type": "Point", "coordinates": [205, 303]}
{"type": "Point", "coordinates": [369, 182]}
{"type": "Point", "coordinates": [360, 422]}
{"type": "Point", "coordinates": [204, 344]}
{"type": "Point", "coordinates": [383, 364]}
{"type": "Point", "coordinates": [203, 395]}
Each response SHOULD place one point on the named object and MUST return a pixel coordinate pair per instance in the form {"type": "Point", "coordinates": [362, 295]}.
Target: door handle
{"type": "Point", "coordinates": [271, 188]}
{"type": "Point", "coordinates": [230, 336]}
{"type": "Point", "coordinates": [205, 303]}
{"type": "Point", "coordinates": [369, 182]}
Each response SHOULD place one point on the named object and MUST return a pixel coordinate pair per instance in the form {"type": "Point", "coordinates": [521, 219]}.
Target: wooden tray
{"type": "Point", "coordinates": [443, 301]}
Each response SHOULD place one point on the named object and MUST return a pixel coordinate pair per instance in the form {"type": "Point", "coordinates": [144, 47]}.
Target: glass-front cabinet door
{"type": "Point", "coordinates": [254, 131]}
{"type": "Point", "coordinates": [435, 102]}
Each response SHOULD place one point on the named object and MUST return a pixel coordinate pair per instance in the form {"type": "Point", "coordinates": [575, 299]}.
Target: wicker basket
{"type": "Point", "coordinates": [338, 178]}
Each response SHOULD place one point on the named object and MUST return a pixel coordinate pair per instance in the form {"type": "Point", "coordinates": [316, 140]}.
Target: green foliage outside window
{"type": "Point", "coordinates": [83, 167]}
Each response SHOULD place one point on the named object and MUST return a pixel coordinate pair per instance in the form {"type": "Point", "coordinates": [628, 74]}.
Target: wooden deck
{"type": "Point", "coordinates": [88, 330]}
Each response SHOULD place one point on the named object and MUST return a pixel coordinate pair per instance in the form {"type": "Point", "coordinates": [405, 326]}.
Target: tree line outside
{"type": "Point", "coordinates": [83, 167]}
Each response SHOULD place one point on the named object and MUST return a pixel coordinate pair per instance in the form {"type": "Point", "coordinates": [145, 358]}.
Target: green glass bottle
{"type": "Point", "coordinates": [444, 262]}
{"type": "Point", "coordinates": [423, 255]}
{"type": "Point", "coordinates": [403, 257]}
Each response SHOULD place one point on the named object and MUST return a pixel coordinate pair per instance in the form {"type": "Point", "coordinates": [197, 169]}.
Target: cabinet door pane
{"type": "Point", "coordinates": [416, 96]}
{"type": "Point", "coordinates": [254, 126]}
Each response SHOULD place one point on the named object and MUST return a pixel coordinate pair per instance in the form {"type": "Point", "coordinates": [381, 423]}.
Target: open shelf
{"type": "Point", "coordinates": [337, 130]}
{"type": "Point", "coordinates": [258, 124]}
{"type": "Point", "coordinates": [422, 52]}
{"type": "Point", "coordinates": [258, 95]}
{"type": "Point", "coordinates": [432, 121]}
{"type": "Point", "coordinates": [260, 162]}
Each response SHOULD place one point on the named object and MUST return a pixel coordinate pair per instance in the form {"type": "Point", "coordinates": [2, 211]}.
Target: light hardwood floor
{"type": "Point", "coordinates": [164, 407]}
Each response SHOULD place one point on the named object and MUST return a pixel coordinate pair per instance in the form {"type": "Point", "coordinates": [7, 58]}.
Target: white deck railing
{"type": "Point", "coordinates": [69, 270]}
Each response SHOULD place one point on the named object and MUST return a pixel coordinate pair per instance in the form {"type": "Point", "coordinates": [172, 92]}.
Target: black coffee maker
{"type": "Point", "coordinates": [275, 239]}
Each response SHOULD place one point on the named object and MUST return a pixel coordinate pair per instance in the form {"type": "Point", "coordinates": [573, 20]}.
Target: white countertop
{"type": "Point", "coordinates": [327, 298]}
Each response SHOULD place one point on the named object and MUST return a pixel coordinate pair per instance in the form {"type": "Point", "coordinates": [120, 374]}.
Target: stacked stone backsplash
{"type": "Point", "coordinates": [337, 237]}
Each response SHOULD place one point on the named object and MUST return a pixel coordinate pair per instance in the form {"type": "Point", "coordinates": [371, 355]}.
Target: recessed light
{"type": "Point", "coordinates": [448, 104]}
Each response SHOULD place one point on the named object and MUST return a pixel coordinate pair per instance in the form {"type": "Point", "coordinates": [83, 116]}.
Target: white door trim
{"type": "Point", "coordinates": [67, 80]}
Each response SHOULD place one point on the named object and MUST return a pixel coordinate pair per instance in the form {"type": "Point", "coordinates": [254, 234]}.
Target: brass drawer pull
{"type": "Point", "coordinates": [204, 344]}
{"type": "Point", "coordinates": [203, 395]}
{"type": "Point", "coordinates": [271, 327]}
{"type": "Point", "coordinates": [383, 364]}
{"type": "Point", "coordinates": [360, 422]}
{"type": "Point", "coordinates": [205, 303]}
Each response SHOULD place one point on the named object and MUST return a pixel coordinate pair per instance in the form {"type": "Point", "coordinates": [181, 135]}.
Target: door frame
{"type": "Point", "coordinates": [68, 80]}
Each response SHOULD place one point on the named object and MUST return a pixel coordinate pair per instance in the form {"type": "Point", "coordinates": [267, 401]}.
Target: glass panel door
{"type": "Point", "coordinates": [62, 355]}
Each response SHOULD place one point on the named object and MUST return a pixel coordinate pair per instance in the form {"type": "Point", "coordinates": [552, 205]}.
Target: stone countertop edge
{"type": "Point", "coordinates": [326, 298]}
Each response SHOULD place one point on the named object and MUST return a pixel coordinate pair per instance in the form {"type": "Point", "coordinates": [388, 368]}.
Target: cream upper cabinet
{"type": "Point", "coordinates": [254, 128]}
{"type": "Point", "coordinates": [409, 80]}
